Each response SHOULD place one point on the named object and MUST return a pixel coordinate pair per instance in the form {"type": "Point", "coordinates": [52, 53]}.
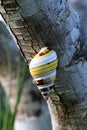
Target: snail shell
{"type": "Point", "coordinates": [43, 69]}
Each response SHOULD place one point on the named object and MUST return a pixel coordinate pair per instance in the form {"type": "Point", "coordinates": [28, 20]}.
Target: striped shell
{"type": "Point", "coordinates": [43, 69]}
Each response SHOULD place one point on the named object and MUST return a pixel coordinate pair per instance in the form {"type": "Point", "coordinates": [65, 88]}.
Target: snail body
{"type": "Point", "coordinates": [43, 69]}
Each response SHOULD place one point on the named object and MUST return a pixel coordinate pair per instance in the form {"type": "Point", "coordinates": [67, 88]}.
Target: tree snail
{"type": "Point", "coordinates": [43, 70]}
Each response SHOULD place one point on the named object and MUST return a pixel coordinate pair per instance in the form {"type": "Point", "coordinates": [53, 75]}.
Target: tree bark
{"type": "Point", "coordinates": [55, 24]}
{"type": "Point", "coordinates": [31, 108]}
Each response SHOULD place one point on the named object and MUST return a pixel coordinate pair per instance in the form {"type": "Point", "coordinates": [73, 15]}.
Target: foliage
{"type": "Point", "coordinates": [7, 118]}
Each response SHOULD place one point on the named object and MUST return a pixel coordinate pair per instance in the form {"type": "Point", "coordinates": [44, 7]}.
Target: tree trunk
{"type": "Point", "coordinates": [31, 108]}
{"type": "Point", "coordinates": [55, 24]}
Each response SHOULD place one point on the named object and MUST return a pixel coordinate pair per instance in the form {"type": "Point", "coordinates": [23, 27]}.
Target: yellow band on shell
{"type": "Point", "coordinates": [41, 70]}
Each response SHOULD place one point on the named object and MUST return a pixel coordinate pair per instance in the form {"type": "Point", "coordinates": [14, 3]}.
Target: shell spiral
{"type": "Point", "coordinates": [43, 70]}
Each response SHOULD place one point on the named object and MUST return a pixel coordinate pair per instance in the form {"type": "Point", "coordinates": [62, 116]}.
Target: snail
{"type": "Point", "coordinates": [43, 69]}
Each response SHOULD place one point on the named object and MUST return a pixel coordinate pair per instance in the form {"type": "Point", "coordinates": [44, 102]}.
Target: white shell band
{"type": "Point", "coordinates": [45, 85]}
{"type": "Point", "coordinates": [43, 60]}
{"type": "Point", "coordinates": [51, 74]}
